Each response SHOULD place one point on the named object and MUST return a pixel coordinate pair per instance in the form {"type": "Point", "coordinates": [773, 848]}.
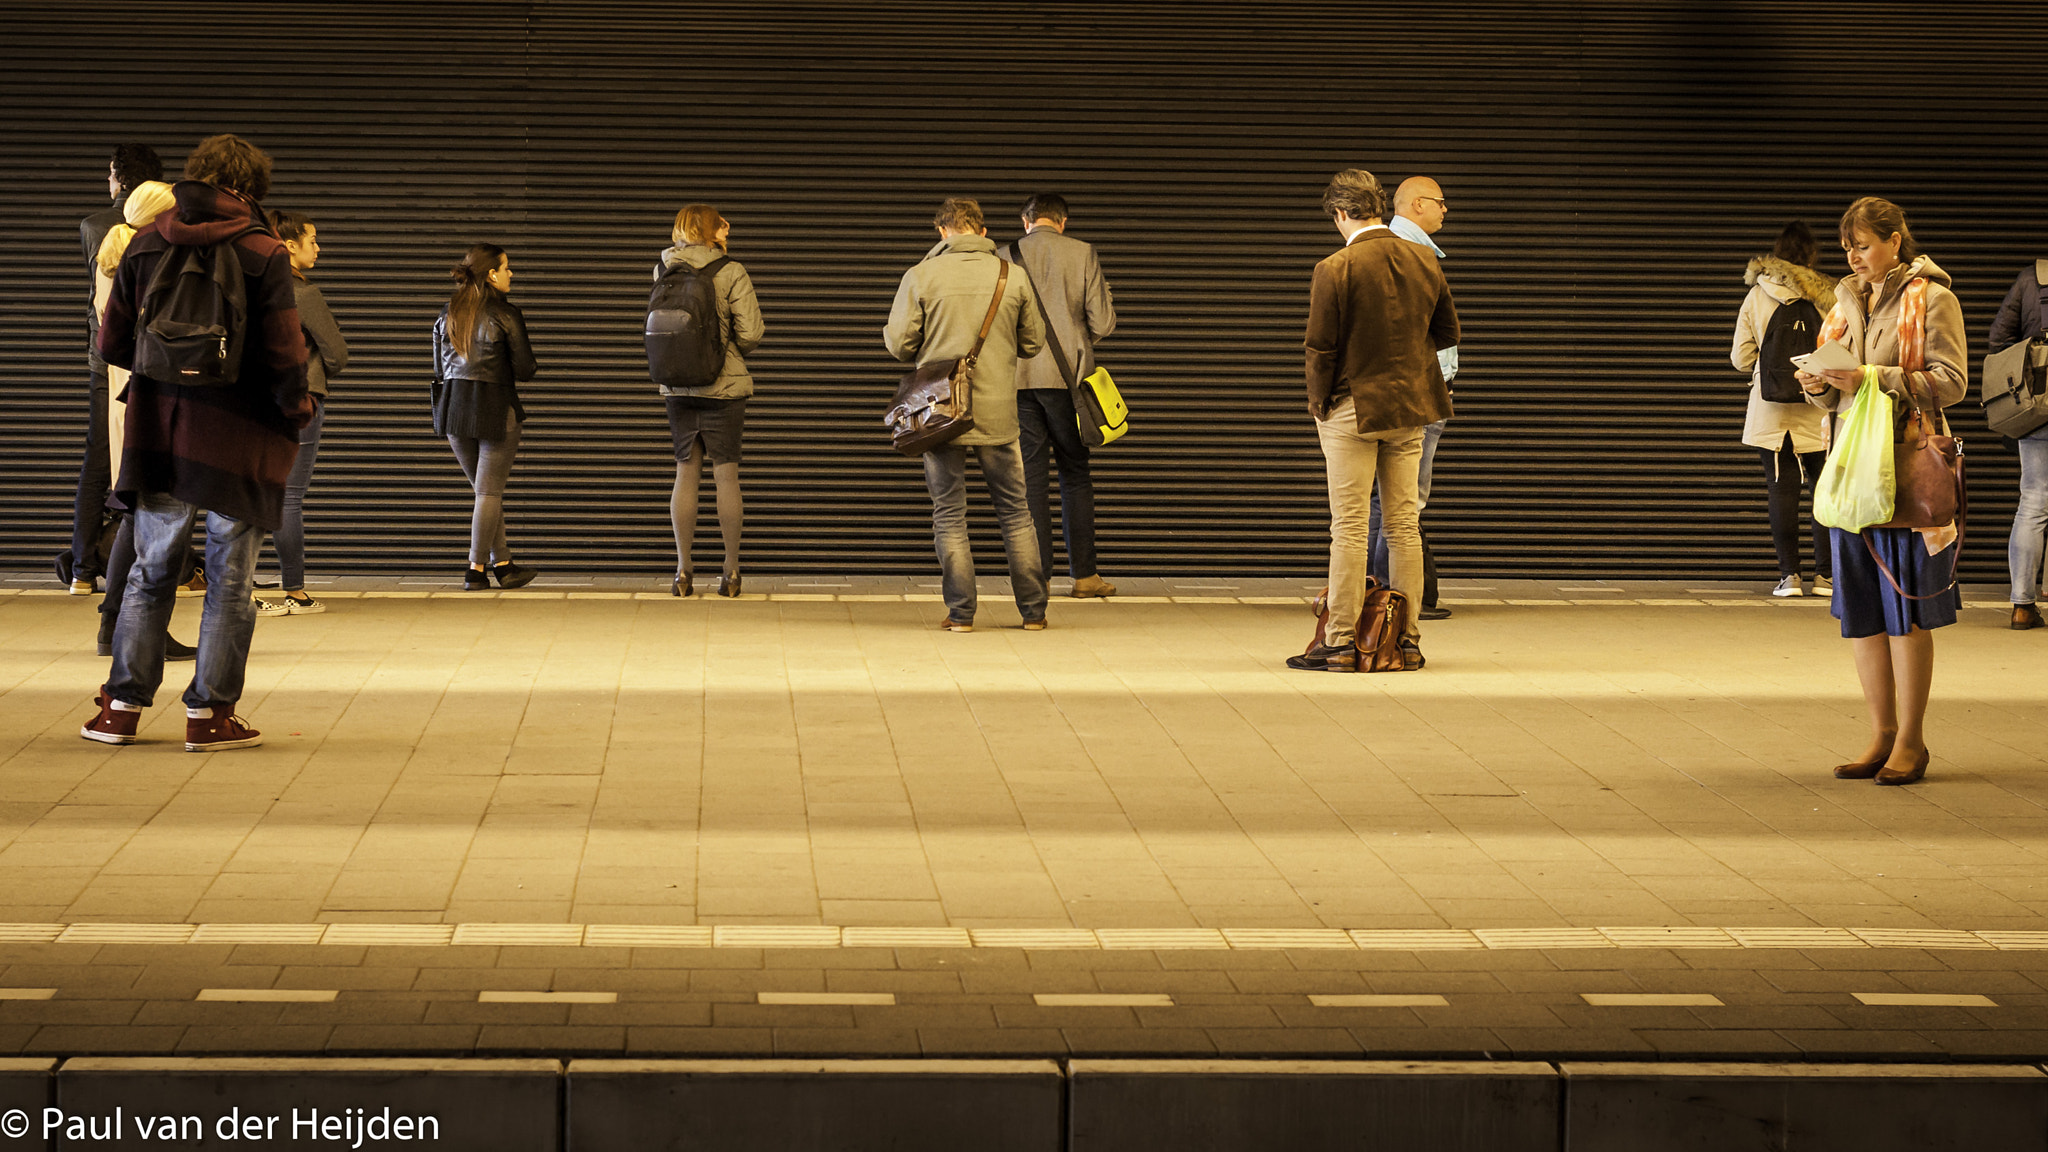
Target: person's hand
{"type": "Point", "coordinates": [1846, 379]}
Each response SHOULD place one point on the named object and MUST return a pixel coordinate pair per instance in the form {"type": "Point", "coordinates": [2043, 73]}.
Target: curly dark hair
{"type": "Point", "coordinates": [135, 163]}
{"type": "Point", "coordinates": [230, 162]}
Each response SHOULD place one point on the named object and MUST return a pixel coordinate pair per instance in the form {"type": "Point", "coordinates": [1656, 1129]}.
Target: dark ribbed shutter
{"type": "Point", "coordinates": [1610, 167]}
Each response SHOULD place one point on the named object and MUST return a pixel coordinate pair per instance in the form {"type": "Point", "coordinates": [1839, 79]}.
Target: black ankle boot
{"type": "Point", "coordinates": [511, 575]}
{"type": "Point", "coordinates": [475, 580]}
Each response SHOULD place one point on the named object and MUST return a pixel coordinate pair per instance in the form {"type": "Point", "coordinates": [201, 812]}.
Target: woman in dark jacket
{"type": "Point", "coordinates": [480, 354]}
{"type": "Point", "coordinates": [328, 355]}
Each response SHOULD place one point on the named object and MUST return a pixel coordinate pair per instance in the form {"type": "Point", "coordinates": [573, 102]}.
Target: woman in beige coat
{"type": "Point", "coordinates": [1789, 437]}
{"type": "Point", "coordinates": [1893, 586]}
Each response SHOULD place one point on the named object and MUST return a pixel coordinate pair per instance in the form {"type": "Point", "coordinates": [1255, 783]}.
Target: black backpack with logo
{"type": "Point", "coordinates": [685, 341]}
{"type": "Point", "coordinates": [194, 316]}
{"type": "Point", "coordinates": [1794, 330]}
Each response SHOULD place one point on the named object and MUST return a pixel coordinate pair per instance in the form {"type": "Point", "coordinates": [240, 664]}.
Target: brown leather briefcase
{"type": "Point", "coordinates": [934, 404]}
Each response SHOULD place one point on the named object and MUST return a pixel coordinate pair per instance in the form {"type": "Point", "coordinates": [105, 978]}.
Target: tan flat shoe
{"type": "Point", "coordinates": [1092, 586]}
{"type": "Point", "coordinates": [1919, 769]}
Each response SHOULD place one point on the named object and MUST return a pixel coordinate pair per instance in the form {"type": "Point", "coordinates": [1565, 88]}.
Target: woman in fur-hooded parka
{"type": "Point", "coordinates": [1788, 437]}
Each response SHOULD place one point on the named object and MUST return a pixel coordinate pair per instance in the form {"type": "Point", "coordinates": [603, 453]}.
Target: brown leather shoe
{"type": "Point", "coordinates": [1092, 586]}
{"type": "Point", "coordinates": [2025, 616]}
{"type": "Point", "coordinates": [1919, 769]}
{"type": "Point", "coordinates": [1858, 771]}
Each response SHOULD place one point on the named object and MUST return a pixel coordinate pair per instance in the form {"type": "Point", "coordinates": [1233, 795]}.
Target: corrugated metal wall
{"type": "Point", "coordinates": [1610, 168]}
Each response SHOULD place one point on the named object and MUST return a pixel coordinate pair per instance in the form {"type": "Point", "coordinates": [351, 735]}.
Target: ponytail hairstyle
{"type": "Point", "coordinates": [466, 306]}
{"type": "Point", "coordinates": [1880, 217]}
{"type": "Point", "coordinates": [698, 224]}
{"type": "Point", "coordinates": [1796, 245]}
{"type": "Point", "coordinates": [290, 227]}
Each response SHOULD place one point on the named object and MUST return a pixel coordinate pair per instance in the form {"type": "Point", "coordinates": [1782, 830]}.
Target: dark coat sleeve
{"type": "Point", "coordinates": [1325, 338]}
{"type": "Point", "coordinates": [2009, 326]}
{"type": "Point", "coordinates": [283, 351]}
{"type": "Point", "coordinates": [318, 322]}
{"type": "Point", "coordinates": [117, 327]}
{"type": "Point", "coordinates": [517, 346]}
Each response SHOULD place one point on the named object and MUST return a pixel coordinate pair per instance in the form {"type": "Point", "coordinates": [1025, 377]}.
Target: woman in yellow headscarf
{"type": "Point", "coordinates": [148, 199]}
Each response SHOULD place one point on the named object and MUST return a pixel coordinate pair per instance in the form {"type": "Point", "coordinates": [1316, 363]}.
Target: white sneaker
{"type": "Point", "coordinates": [1822, 586]}
{"type": "Point", "coordinates": [271, 607]}
{"type": "Point", "coordinates": [1789, 586]}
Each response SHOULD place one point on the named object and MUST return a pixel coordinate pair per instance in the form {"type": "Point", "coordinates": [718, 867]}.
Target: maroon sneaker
{"type": "Point", "coordinates": [110, 726]}
{"type": "Point", "coordinates": [219, 732]}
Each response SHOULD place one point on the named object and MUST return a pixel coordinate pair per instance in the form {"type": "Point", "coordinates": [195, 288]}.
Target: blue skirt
{"type": "Point", "coordinates": [1864, 600]}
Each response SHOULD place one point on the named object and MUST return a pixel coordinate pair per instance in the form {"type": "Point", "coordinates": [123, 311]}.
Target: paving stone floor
{"type": "Point", "coordinates": [1578, 755]}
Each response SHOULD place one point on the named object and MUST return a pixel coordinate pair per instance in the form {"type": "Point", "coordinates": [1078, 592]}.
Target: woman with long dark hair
{"type": "Point", "coordinates": [481, 353]}
{"type": "Point", "coordinates": [1893, 586]}
{"type": "Point", "coordinates": [328, 356]}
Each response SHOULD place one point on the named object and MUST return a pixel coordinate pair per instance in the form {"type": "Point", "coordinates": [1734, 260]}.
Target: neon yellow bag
{"type": "Point", "coordinates": [1857, 487]}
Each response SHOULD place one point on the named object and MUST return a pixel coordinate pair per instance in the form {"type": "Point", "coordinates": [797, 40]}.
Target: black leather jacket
{"type": "Point", "coordinates": [499, 352]}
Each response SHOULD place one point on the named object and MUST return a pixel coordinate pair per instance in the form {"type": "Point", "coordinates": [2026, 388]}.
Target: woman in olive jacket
{"type": "Point", "coordinates": [708, 421]}
{"type": "Point", "coordinates": [1893, 586]}
{"type": "Point", "coordinates": [480, 354]}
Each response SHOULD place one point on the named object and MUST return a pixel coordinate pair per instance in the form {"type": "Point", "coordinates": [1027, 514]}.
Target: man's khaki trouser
{"type": "Point", "coordinates": [1353, 459]}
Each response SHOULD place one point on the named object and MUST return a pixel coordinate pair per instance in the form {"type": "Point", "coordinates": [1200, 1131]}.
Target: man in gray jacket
{"type": "Point", "coordinates": [937, 316]}
{"type": "Point", "coordinates": [1067, 279]}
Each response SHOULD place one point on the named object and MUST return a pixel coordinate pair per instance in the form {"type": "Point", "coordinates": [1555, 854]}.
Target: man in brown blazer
{"type": "Point", "coordinates": [1378, 312]}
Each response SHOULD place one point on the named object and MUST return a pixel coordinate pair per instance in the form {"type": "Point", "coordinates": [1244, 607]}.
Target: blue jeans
{"type": "Point", "coordinates": [1002, 467]}
{"type": "Point", "coordinates": [1431, 433]}
{"type": "Point", "coordinates": [162, 527]}
{"type": "Point", "coordinates": [2029, 521]}
{"type": "Point", "coordinates": [290, 536]}
{"type": "Point", "coordinates": [1045, 420]}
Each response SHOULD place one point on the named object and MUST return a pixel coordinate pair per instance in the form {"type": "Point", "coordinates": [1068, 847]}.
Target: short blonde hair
{"type": "Point", "coordinates": [960, 214]}
{"type": "Point", "coordinates": [698, 224]}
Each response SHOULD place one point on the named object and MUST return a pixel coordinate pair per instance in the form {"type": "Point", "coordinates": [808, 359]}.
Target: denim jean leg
{"type": "Point", "coordinates": [290, 536]}
{"type": "Point", "coordinates": [1002, 469]}
{"type": "Point", "coordinates": [1077, 485]}
{"type": "Point", "coordinates": [161, 524]}
{"type": "Point", "coordinates": [2024, 550]}
{"type": "Point", "coordinates": [1034, 442]}
{"type": "Point", "coordinates": [945, 477]}
{"type": "Point", "coordinates": [229, 618]}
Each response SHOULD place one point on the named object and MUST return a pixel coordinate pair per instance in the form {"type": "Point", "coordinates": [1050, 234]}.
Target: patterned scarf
{"type": "Point", "coordinates": [1913, 360]}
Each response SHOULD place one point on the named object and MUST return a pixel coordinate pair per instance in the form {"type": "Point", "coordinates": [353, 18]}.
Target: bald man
{"type": "Point", "coordinates": [1419, 211]}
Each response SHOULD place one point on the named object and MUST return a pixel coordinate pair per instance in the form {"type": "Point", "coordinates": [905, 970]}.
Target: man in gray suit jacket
{"type": "Point", "coordinates": [1068, 280]}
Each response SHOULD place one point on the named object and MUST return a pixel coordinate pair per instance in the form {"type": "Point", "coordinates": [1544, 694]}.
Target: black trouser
{"type": "Point", "coordinates": [1785, 471]}
{"type": "Point", "coordinates": [1045, 423]}
{"type": "Point", "coordinates": [95, 477]}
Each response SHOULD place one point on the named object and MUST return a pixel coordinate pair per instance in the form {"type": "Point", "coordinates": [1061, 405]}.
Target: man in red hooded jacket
{"type": "Point", "coordinates": [227, 449]}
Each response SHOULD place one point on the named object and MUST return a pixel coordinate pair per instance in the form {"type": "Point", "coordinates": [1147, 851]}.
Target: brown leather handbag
{"type": "Point", "coordinates": [934, 404]}
{"type": "Point", "coordinates": [1376, 643]}
{"type": "Point", "coordinates": [1928, 466]}
{"type": "Point", "coordinates": [1931, 489]}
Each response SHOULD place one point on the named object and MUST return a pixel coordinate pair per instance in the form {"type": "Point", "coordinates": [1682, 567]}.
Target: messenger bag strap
{"type": "Point", "coordinates": [1052, 338]}
{"type": "Point", "coordinates": [988, 321]}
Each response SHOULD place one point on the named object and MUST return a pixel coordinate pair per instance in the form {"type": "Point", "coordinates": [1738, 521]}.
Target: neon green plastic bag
{"type": "Point", "coordinates": [1858, 485]}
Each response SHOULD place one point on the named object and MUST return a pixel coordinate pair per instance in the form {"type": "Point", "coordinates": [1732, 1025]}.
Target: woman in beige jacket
{"type": "Point", "coordinates": [1890, 625]}
{"type": "Point", "coordinates": [1789, 437]}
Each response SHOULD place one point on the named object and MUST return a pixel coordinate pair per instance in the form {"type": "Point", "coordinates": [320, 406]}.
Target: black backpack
{"type": "Point", "coordinates": [1794, 330]}
{"type": "Point", "coordinates": [194, 316]}
{"type": "Point", "coordinates": [685, 341]}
